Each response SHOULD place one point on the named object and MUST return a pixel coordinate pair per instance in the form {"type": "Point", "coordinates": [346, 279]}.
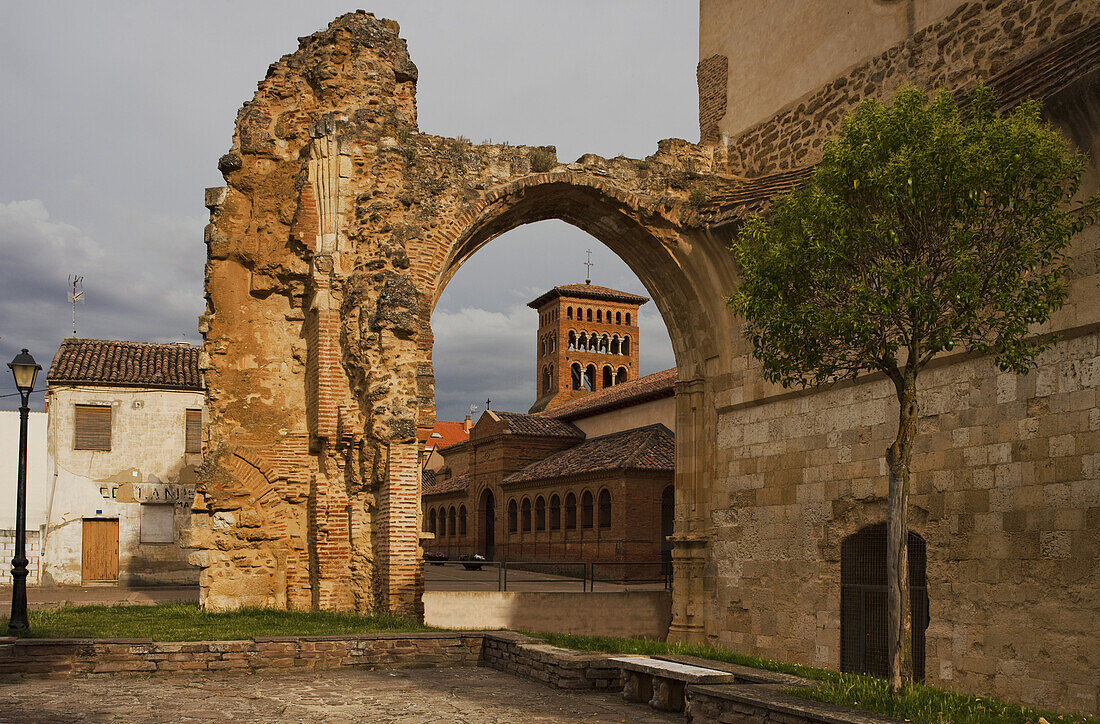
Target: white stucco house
{"type": "Point", "coordinates": [124, 440]}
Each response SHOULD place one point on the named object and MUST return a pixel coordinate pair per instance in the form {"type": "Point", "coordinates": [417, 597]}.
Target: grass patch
{"type": "Point", "coordinates": [187, 622]}
{"type": "Point", "coordinates": [927, 705]}
{"type": "Point", "coordinates": [920, 704]}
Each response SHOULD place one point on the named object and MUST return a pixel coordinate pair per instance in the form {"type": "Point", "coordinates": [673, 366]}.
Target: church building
{"type": "Point", "coordinates": [586, 475]}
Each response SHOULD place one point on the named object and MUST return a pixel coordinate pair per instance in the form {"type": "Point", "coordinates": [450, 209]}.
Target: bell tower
{"type": "Point", "coordinates": [587, 340]}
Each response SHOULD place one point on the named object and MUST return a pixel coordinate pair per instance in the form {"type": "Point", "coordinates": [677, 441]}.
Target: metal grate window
{"type": "Point", "coordinates": [92, 427]}
{"type": "Point", "coordinates": [864, 614]}
{"type": "Point", "coordinates": [193, 432]}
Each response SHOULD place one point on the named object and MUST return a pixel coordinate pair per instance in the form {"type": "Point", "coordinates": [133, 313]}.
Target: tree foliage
{"type": "Point", "coordinates": [926, 226]}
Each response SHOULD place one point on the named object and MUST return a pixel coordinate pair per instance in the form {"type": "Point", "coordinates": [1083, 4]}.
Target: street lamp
{"type": "Point", "coordinates": [26, 371]}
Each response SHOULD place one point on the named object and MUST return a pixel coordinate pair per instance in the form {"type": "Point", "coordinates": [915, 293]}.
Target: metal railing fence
{"type": "Point", "coordinates": [525, 575]}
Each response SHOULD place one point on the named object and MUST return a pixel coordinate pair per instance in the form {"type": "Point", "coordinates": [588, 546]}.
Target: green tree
{"type": "Point", "coordinates": [927, 226]}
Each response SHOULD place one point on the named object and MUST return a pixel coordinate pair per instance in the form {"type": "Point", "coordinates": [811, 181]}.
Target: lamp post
{"type": "Point", "coordinates": [26, 371]}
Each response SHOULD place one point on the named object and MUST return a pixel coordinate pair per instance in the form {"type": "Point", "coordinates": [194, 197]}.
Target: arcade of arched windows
{"type": "Point", "coordinates": [597, 343]}
{"type": "Point", "coordinates": [590, 520]}
{"type": "Point", "coordinates": [581, 511]}
{"type": "Point", "coordinates": [586, 314]}
{"type": "Point", "coordinates": [547, 378]}
{"type": "Point", "coordinates": [446, 521]}
{"type": "Point", "coordinates": [547, 344]}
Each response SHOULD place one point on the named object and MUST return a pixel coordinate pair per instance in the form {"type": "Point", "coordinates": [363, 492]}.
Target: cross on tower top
{"type": "Point", "coordinates": [588, 272]}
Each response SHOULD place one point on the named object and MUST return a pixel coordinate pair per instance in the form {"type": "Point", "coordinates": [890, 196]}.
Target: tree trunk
{"type": "Point", "coordinates": [898, 455]}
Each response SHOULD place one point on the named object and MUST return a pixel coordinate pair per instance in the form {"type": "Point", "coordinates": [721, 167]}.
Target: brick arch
{"type": "Point", "coordinates": [688, 273]}
{"type": "Point", "coordinates": [256, 475]}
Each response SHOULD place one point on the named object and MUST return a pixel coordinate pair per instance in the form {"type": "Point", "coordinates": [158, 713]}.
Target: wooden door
{"type": "Point", "coordinates": [100, 551]}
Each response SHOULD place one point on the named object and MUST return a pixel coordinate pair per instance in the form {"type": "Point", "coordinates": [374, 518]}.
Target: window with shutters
{"type": "Point", "coordinates": [92, 427]}
{"type": "Point", "coordinates": [193, 432]}
{"type": "Point", "coordinates": [158, 523]}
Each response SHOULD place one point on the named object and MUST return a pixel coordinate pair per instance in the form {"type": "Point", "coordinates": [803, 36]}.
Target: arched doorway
{"type": "Point", "coordinates": [864, 615]}
{"type": "Point", "coordinates": [688, 275]}
{"type": "Point", "coordinates": [488, 533]}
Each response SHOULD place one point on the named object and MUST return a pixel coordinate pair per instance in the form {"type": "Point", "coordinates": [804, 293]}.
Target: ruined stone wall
{"type": "Point", "coordinates": [976, 41]}
{"type": "Point", "coordinates": [337, 230]}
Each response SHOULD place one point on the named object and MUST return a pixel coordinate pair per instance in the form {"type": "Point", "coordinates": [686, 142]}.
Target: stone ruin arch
{"type": "Point", "coordinates": [338, 228]}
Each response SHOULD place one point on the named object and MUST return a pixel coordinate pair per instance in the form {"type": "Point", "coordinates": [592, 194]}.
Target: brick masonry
{"type": "Point", "coordinates": [34, 551]}
{"type": "Point", "coordinates": [712, 75]}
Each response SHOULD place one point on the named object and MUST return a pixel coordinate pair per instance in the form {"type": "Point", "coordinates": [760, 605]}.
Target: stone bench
{"type": "Point", "coordinates": [660, 683]}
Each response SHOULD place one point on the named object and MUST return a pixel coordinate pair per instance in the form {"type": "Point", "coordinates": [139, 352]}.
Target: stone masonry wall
{"type": "Point", "coordinates": [505, 651]}
{"type": "Point", "coordinates": [1005, 492]}
{"type": "Point", "coordinates": [564, 668]}
{"type": "Point", "coordinates": [977, 41]}
{"type": "Point", "coordinates": [66, 657]}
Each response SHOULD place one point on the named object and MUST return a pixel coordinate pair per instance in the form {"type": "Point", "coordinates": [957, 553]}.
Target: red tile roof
{"type": "Point", "coordinates": [651, 387]}
{"type": "Point", "coordinates": [126, 364]}
{"type": "Point", "coordinates": [651, 447]}
{"type": "Point", "coordinates": [430, 486]}
{"type": "Point", "coordinates": [445, 433]}
{"type": "Point", "coordinates": [536, 425]}
{"type": "Point", "coordinates": [587, 291]}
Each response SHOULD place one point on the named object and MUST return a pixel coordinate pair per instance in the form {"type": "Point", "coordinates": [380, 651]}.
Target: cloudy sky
{"type": "Point", "coordinates": [115, 114]}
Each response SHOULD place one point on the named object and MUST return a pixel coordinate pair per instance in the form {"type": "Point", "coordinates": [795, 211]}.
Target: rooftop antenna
{"type": "Point", "coordinates": [76, 295]}
{"type": "Point", "coordinates": [588, 272]}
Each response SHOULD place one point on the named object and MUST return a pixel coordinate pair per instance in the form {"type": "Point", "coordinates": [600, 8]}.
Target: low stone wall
{"type": "Point", "coordinates": [736, 703]}
{"type": "Point", "coordinates": [530, 658]}
{"type": "Point", "coordinates": [65, 657]}
{"type": "Point", "coordinates": [504, 651]}
{"type": "Point", "coordinates": [633, 614]}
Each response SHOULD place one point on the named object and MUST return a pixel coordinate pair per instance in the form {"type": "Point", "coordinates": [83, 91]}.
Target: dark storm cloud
{"type": "Point", "coordinates": [115, 115]}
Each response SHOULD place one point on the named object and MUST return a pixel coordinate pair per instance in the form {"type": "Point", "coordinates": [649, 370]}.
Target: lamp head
{"type": "Point", "coordinates": [25, 370]}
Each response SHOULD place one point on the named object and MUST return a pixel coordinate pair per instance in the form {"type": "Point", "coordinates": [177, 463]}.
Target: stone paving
{"type": "Point", "coordinates": [470, 695]}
